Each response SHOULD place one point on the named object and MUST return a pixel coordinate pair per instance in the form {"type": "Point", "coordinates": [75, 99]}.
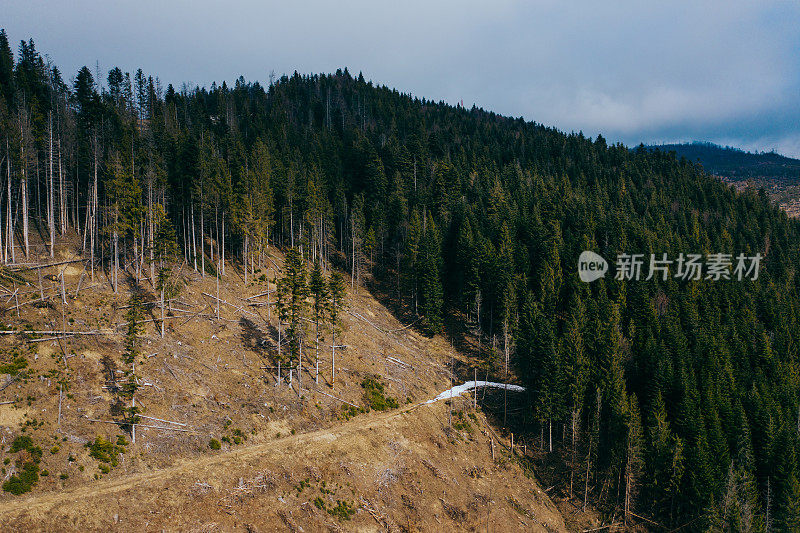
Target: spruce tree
{"type": "Point", "coordinates": [292, 291]}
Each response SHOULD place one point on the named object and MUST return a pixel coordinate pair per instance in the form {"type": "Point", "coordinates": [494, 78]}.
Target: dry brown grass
{"type": "Point", "coordinates": [397, 468]}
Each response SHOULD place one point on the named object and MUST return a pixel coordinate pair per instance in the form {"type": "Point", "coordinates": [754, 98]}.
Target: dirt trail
{"type": "Point", "coordinates": [203, 464]}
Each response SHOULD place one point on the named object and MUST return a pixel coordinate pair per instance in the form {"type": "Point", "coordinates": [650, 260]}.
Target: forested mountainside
{"type": "Point", "coordinates": [677, 400]}
{"type": "Point", "coordinates": [737, 164]}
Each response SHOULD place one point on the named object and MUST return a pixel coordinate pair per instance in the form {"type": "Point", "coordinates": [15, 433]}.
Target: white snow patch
{"type": "Point", "coordinates": [469, 385]}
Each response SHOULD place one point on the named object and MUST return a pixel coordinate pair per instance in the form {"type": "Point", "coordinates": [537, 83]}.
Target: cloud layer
{"type": "Point", "coordinates": [633, 71]}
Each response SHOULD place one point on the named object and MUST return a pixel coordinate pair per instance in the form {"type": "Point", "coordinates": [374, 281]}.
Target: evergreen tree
{"type": "Point", "coordinates": [430, 283]}
{"type": "Point", "coordinates": [318, 289]}
{"type": "Point", "coordinates": [336, 293]}
{"type": "Point", "coordinates": [292, 292]}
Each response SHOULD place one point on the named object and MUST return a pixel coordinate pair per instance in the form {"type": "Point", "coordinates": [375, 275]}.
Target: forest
{"type": "Point", "coordinates": [677, 400]}
{"type": "Point", "coordinates": [737, 164]}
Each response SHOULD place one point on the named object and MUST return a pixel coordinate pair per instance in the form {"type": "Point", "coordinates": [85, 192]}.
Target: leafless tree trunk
{"type": "Point", "coordinates": [202, 237]}
{"type": "Point", "coordinates": [61, 200]}
{"type": "Point", "coordinates": [194, 240]}
{"type": "Point", "coordinates": [9, 218]}
{"type": "Point", "coordinates": [24, 188]}
{"type": "Point", "coordinates": [150, 230]}
{"type": "Point", "coordinates": [51, 223]}
{"type": "Point", "coordinates": [115, 276]}
{"type": "Point", "coordinates": [92, 226]}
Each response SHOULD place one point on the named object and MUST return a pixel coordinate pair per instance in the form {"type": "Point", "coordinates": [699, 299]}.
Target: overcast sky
{"type": "Point", "coordinates": [635, 71]}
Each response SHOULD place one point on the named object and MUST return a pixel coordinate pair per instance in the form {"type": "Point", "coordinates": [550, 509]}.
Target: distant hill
{"type": "Point", "coordinates": [736, 164]}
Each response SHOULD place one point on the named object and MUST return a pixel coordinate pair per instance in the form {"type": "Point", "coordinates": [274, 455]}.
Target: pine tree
{"type": "Point", "coordinates": [430, 283]}
{"type": "Point", "coordinates": [320, 296]}
{"type": "Point", "coordinates": [6, 71]}
{"type": "Point", "coordinates": [576, 377]}
{"type": "Point", "coordinates": [166, 248]}
{"type": "Point", "coordinates": [292, 292]}
{"type": "Point", "coordinates": [633, 459]}
{"type": "Point", "coordinates": [336, 292]}
{"type": "Point", "coordinates": [786, 510]}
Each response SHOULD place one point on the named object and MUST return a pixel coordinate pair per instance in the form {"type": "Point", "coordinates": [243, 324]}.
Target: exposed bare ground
{"type": "Point", "coordinates": [300, 466]}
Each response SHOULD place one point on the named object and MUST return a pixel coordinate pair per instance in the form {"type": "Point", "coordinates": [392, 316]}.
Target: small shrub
{"type": "Point", "coordinates": [106, 451]}
{"type": "Point", "coordinates": [375, 395]}
{"type": "Point", "coordinates": [24, 481]}
{"type": "Point", "coordinates": [343, 510]}
{"type": "Point", "coordinates": [27, 478]}
{"type": "Point", "coordinates": [214, 444]}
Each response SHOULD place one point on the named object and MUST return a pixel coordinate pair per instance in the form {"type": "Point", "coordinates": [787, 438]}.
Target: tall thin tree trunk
{"type": "Point", "coordinates": [24, 192]}
{"type": "Point", "coordinates": [91, 228]}
{"type": "Point", "coordinates": [151, 229]}
{"type": "Point", "coordinates": [162, 311]}
{"type": "Point", "coordinates": [202, 238]}
{"type": "Point", "coordinates": [50, 197]}
{"type": "Point", "coordinates": [245, 257]}
{"type": "Point", "coordinates": [9, 251]}
{"type": "Point", "coordinates": [194, 240]}
{"type": "Point", "coordinates": [333, 355]}
{"type": "Point", "coordinates": [62, 205]}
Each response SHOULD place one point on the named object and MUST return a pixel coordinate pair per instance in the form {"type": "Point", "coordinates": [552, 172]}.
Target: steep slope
{"type": "Point", "coordinates": [414, 467]}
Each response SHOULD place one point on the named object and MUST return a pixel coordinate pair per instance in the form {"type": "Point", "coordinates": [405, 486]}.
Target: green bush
{"type": "Point", "coordinates": [106, 451]}
{"type": "Point", "coordinates": [375, 396]}
{"type": "Point", "coordinates": [214, 444]}
{"type": "Point", "coordinates": [27, 478]}
{"type": "Point", "coordinates": [24, 481]}
{"type": "Point", "coordinates": [343, 510]}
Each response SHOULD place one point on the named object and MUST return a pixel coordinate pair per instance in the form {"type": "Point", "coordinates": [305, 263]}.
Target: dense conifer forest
{"type": "Point", "coordinates": [738, 164]}
{"type": "Point", "coordinates": [677, 400]}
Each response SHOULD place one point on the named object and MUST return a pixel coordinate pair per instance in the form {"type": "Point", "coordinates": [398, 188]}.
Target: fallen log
{"type": "Point", "coordinates": [139, 425]}
{"type": "Point", "coordinates": [331, 396]}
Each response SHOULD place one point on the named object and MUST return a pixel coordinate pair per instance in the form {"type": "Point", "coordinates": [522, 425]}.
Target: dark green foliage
{"type": "Point", "coordinates": [133, 317]}
{"type": "Point", "coordinates": [214, 444]}
{"type": "Point", "coordinates": [13, 362]}
{"type": "Point", "coordinates": [343, 510]}
{"type": "Point", "coordinates": [375, 396]}
{"type": "Point", "coordinates": [24, 480]}
{"type": "Point", "coordinates": [734, 163]}
{"type": "Point", "coordinates": [336, 293]}
{"type": "Point", "coordinates": [106, 451]}
{"type": "Point", "coordinates": [292, 293]}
